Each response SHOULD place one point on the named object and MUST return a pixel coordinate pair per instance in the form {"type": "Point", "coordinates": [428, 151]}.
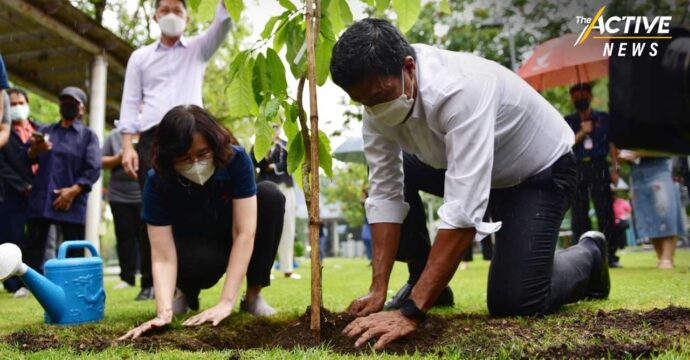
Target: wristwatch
{"type": "Point", "coordinates": [410, 310]}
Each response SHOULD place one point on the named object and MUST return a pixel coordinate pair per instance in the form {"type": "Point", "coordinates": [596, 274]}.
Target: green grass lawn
{"type": "Point", "coordinates": [638, 286]}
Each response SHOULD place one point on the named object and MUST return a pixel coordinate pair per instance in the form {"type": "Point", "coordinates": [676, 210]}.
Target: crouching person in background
{"type": "Point", "coordinates": [206, 218]}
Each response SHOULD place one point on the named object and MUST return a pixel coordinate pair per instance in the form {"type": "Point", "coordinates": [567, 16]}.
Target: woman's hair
{"type": "Point", "coordinates": [173, 138]}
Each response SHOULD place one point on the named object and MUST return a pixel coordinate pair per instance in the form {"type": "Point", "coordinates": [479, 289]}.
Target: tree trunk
{"type": "Point", "coordinates": [312, 17]}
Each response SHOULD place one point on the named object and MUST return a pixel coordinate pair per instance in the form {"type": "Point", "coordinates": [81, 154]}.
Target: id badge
{"type": "Point", "coordinates": [589, 144]}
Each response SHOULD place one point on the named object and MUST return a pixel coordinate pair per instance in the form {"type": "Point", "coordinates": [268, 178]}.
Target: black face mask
{"type": "Point", "coordinates": [69, 111]}
{"type": "Point", "coordinates": [581, 104]}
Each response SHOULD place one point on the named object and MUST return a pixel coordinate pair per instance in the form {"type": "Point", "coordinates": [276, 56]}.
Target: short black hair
{"type": "Point", "coordinates": [158, 3]}
{"type": "Point", "coordinates": [369, 47]}
{"type": "Point", "coordinates": [582, 86]}
{"type": "Point", "coordinates": [18, 91]}
{"type": "Point", "coordinates": [173, 138]}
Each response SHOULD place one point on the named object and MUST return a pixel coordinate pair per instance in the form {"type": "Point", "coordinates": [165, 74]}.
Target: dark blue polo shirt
{"type": "Point", "coordinates": [599, 135]}
{"type": "Point", "coordinates": [199, 211]}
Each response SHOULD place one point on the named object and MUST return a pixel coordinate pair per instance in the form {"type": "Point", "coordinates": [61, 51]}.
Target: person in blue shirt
{"type": "Point", "coordinates": [206, 217]}
{"type": "Point", "coordinates": [592, 146]}
{"type": "Point", "coordinates": [69, 162]}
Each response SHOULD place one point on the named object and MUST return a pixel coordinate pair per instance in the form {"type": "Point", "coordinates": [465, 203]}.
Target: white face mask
{"type": "Point", "coordinates": [199, 172]}
{"type": "Point", "coordinates": [171, 25]}
{"type": "Point", "coordinates": [391, 113]}
{"type": "Point", "coordinates": [19, 112]}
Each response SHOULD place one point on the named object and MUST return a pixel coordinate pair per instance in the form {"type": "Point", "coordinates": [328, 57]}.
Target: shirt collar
{"type": "Point", "coordinates": [74, 126]}
{"type": "Point", "coordinates": [418, 109]}
{"type": "Point", "coordinates": [181, 42]}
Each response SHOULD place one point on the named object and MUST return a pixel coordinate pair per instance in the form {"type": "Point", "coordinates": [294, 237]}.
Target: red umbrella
{"type": "Point", "coordinates": [559, 62]}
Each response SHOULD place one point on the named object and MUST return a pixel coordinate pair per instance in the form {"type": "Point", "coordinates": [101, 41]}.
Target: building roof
{"type": "Point", "coordinates": [49, 44]}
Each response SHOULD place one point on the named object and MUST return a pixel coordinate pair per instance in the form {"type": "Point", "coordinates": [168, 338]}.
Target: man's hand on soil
{"type": "Point", "coordinates": [387, 326]}
{"type": "Point", "coordinates": [367, 304]}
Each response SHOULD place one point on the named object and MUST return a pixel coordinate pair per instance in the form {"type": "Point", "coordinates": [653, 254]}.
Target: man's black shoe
{"type": "Point", "coordinates": [146, 293]}
{"type": "Point", "coordinates": [444, 299]}
{"type": "Point", "coordinates": [599, 281]}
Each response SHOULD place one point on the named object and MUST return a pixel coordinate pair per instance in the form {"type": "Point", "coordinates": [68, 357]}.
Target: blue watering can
{"type": "Point", "coordinates": [71, 291]}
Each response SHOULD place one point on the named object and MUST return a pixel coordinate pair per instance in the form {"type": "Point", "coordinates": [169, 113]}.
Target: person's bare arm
{"type": "Point", "coordinates": [111, 161]}
{"type": "Point", "coordinates": [613, 151]}
{"type": "Point", "coordinates": [130, 157]}
{"type": "Point", "coordinates": [4, 127]}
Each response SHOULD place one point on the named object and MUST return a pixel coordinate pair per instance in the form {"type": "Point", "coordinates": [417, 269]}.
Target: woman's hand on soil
{"type": "Point", "coordinates": [157, 322]}
{"type": "Point", "coordinates": [367, 304]}
{"type": "Point", "coordinates": [386, 325]}
{"type": "Point", "coordinates": [213, 315]}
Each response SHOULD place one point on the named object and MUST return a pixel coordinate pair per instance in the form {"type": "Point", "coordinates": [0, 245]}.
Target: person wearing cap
{"type": "Point", "coordinates": [160, 76]}
{"type": "Point", "coordinates": [69, 162]}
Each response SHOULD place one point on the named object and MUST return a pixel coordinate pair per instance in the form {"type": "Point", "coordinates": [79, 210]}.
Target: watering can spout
{"type": "Point", "coordinates": [50, 296]}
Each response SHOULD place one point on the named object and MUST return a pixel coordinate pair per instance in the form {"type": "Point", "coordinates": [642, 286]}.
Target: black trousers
{"type": "Point", "coordinates": [201, 266]}
{"type": "Point", "coordinates": [593, 182]}
{"type": "Point", "coordinates": [526, 276]}
{"type": "Point", "coordinates": [144, 151]}
{"type": "Point", "coordinates": [127, 219]}
{"type": "Point", "coordinates": [12, 227]}
{"type": "Point", "coordinates": [37, 235]}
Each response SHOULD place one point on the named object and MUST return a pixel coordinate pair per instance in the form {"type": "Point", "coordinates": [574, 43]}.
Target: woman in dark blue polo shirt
{"type": "Point", "coordinates": [206, 218]}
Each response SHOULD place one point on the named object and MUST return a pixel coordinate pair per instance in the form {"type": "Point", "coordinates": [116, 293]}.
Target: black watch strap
{"type": "Point", "coordinates": [410, 310]}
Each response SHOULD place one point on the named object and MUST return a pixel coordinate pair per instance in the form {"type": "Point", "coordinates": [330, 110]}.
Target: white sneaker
{"type": "Point", "coordinates": [258, 307]}
{"type": "Point", "coordinates": [180, 305]}
{"type": "Point", "coordinates": [293, 275]}
{"type": "Point", "coordinates": [122, 285]}
{"type": "Point", "coordinates": [22, 293]}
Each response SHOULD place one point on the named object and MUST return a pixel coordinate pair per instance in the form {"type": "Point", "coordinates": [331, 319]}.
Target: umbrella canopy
{"type": "Point", "coordinates": [352, 150]}
{"type": "Point", "coordinates": [558, 62]}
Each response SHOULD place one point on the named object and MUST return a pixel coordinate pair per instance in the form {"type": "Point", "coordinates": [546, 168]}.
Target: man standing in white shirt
{"type": "Point", "coordinates": [467, 129]}
{"type": "Point", "coordinates": [160, 76]}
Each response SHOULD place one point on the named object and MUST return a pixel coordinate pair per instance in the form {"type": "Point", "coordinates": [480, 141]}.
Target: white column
{"type": "Point", "coordinates": [99, 74]}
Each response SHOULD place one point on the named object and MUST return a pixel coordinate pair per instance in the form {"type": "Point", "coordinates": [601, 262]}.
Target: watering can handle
{"type": "Point", "coordinates": [76, 244]}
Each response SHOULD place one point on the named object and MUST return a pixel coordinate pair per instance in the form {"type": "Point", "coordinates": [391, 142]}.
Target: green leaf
{"type": "Point", "coordinates": [235, 8]}
{"type": "Point", "coordinates": [287, 4]}
{"type": "Point", "coordinates": [444, 6]}
{"type": "Point", "coordinates": [205, 11]}
{"type": "Point", "coordinates": [194, 4]}
{"type": "Point", "coordinates": [323, 60]}
{"type": "Point", "coordinates": [280, 37]}
{"type": "Point", "coordinates": [260, 81]}
{"type": "Point", "coordinates": [263, 131]}
{"type": "Point", "coordinates": [268, 28]}
{"type": "Point", "coordinates": [408, 12]}
{"type": "Point", "coordinates": [295, 41]}
{"type": "Point", "coordinates": [241, 100]}
{"type": "Point", "coordinates": [382, 5]}
{"type": "Point", "coordinates": [295, 153]}
{"type": "Point", "coordinates": [276, 72]}
{"type": "Point", "coordinates": [271, 109]}
{"type": "Point", "coordinates": [236, 64]}
{"type": "Point", "coordinates": [345, 13]}
{"type": "Point", "coordinates": [325, 156]}
{"type": "Point", "coordinates": [297, 176]}
{"type": "Point", "coordinates": [334, 16]}
{"type": "Point", "coordinates": [290, 126]}
{"type": "Point", "coordinates": [327, 28]}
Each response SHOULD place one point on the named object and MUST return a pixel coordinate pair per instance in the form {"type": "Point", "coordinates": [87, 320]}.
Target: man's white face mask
{"type": "Point", "coordinates": [199, 172]}
{"type": "Point", "coordinates": [19, 112]}
{"type": "Point", "coordinates": [393, 112]}
{"type": "Point", "coordinates": [172, 25]}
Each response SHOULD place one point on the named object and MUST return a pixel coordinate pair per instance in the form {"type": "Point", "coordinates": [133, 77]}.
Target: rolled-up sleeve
{"type": "Point", "coordinates": [214, 36]}
{"type": "Point", "coordinates": [469, 116]}
{"type": "Point", "coordinates": [386, 201]}
{"type": "Point", "coordinates": [132, 96]}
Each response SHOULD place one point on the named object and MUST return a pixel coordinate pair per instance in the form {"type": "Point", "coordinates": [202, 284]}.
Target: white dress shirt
{"type": "Point", "coordinates": [473, 117]}
{"type": "Point", "coordinates": [161, 78]}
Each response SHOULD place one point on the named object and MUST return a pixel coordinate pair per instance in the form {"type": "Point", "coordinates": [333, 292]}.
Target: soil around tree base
{"type": "Point", "coordinates": [616, 334]}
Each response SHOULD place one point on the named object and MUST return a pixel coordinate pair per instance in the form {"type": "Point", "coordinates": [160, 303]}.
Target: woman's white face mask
{"type": "Point", "coordinates": [393, 112]}
{"type": "Point", "coordinates": [172, 25]}
{"type": "Point", "coordinates": [19, 112]}
{"type": "Point", "coordinates": [199, 172]}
